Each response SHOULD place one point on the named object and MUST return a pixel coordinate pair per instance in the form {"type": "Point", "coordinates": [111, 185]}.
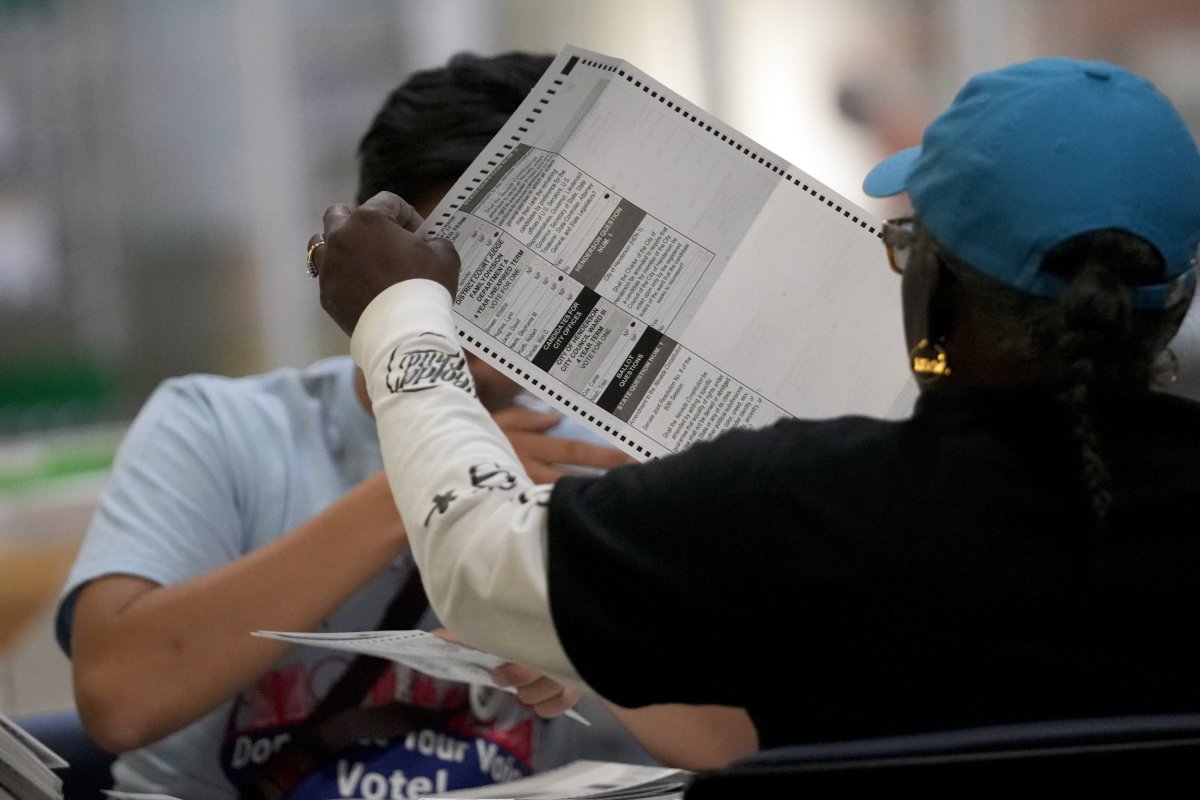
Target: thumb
{"type": "Point", "coordinates": [447, 261]}
{"type": "Point", "coordinates": [443, 633]}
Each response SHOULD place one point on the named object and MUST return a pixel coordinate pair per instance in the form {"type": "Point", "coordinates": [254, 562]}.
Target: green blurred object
{"type": "Point", "coordinates": [56, 422]}
{"type": "Point", "coordinates": [20, 6]}
{"type": "Point", "coordinates": [31, 464]}
{"type": "Point", "coordinates": [51, 392]}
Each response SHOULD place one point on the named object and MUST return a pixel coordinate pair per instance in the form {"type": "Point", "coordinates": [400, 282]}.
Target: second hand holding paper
{"type": "Point", "coordinates": [420, 650]}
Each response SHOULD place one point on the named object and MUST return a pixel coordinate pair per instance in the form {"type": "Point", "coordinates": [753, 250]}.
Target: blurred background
{"type": "Point", "coordinates": [163, 163]}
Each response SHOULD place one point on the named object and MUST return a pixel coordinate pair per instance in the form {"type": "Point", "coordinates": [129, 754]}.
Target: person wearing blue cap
{"type": "Point", "coordinates": [1020, 549]}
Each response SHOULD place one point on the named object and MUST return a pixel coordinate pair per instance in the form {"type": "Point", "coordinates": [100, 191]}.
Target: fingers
{"type": "Point", "coordinates": [444, 633]}
{"type": "Point", "coordinates": [386, 203]}
{"type": "Point", "coordinates": [541, 471]}
{"type": "Point", "coordinates": [412, 221]}
{"type": "Point", "coordinates": [515, 675]}
{"type": "Point", "coordinates": [519, 418]}
{"type": "Point", "coordinates": [445, 251]}
{"type": "Point", "coordinates": [538, 453]}
{"type": "Point", "coordinates": [367, 249]}
{"type": "Point", "coordinates": [335, 217]}
{"type": "Point", "coordinates": [573, 452]}
{"type": "Point", "coordinates": [546, 696]}
{"type": "Point", "coordinates": [395, 208]}
{"type": "Point", "coordinates": [548, 458]}
{"type": "Point", "coordinates": [586, 454]}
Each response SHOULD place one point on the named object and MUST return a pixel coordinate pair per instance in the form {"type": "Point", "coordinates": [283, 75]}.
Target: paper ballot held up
{"type": "Point", "coordinates": [662, 277]}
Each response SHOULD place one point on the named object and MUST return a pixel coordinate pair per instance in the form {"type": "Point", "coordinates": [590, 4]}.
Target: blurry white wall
{"type": "Point", "coordinates": [167, 161]}
{"type": "Point", "coordinates": [162, 164]}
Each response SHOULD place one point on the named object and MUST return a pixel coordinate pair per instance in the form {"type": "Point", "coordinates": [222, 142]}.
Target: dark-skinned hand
{"type": "Point", "coordinates": [372, 247]}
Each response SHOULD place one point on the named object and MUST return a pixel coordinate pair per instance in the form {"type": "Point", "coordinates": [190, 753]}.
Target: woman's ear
{"type": "Point", "coordinates": [929, 296]}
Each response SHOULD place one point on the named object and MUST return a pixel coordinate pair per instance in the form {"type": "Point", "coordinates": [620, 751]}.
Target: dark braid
{"type": "Point", "coordinates": [1091, 343]}
{"type": "Point", "coordinates": [1095, 316]}
{"type": "Point", "coordinates": [1075, 398]}
{"type": "Point", "coordinates": [1098, 345]}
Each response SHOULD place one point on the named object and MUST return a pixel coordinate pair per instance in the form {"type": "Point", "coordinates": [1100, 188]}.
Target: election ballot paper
{"type": "Point", "coordinates": [579, 780]}
{"type": "Point", "coordinates": [584, 780]}
{"type": "Point", "coordinates": [659, 275]}
{"type": "Point", "coordinates": [27, 767]}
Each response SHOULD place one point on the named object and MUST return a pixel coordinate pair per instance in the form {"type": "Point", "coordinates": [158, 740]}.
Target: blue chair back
{"type": "Point", "coordinates": [1142, 756]}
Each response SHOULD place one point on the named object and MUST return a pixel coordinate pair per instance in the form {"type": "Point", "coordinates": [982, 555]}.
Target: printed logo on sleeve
{"type": "Point", "coordinates": [417, 370]}
{"type": "Point", "coordinates": [537, 495]}
{"type": "Point", "coordinates": [492, 476]}
{"type": "Point", "coordinates": [441, 504]}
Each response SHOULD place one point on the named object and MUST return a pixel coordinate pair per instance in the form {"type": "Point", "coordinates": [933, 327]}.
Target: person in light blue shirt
{"type": "Point", "coordinates": [252, 503]}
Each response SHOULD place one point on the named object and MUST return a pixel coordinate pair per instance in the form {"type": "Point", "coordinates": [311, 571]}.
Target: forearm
{"type": "Point", "coordinates": [148, 660]}
{"type": "Point", "coordinates": [690, 737]}
{"type": "Point", "coordinates": [474, 518]}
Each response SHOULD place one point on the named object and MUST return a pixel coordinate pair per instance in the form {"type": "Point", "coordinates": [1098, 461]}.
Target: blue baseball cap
{"type": "Point", "coordinates": [1035, 153]}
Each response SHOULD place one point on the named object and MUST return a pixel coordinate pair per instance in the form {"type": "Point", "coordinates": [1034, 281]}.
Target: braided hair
{"type": "Point", "coordinates": [1104, 347]}
{"type": "Point", "coordinates": [1091, 344]}
{"type": "Point", "coordinates": [433, 125]}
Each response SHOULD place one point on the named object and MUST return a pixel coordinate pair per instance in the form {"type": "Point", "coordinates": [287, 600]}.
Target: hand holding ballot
{"type": "Point", "coordinates": [546, 696]}
{"type": "Point", "coordinates": [372, 247]}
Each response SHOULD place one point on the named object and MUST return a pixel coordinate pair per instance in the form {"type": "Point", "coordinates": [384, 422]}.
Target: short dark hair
{"type": "Point", "coordinates": [436, 122]}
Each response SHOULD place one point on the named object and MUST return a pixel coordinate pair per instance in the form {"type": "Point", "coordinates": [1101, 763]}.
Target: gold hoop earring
{"type": "Point", "coordinates": [928, 360]}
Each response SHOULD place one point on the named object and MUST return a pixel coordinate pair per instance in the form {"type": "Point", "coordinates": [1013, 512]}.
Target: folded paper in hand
{"type": "Point", "coordinates": [420, 650]}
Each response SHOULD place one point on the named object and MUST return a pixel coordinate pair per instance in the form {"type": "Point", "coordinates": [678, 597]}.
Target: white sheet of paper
{"type": "Point", "coordinates": [657, 274]}
{"type": "Point", "coordinates": [26, 765]}
{"type": "Point", "coordinates": [584, 779]}
{"type": "Point", "coordinates": [38, 750]}
{"type": "Point", "coordinates": [420, 650]}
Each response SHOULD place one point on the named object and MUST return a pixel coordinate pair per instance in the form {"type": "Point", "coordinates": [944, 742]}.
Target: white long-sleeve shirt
{"type": "Point", "coordinates": [476, 522]}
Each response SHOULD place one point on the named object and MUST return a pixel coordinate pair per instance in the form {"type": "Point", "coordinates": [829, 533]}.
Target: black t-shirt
{"type": "Point", "coordinates": [856, 577]}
